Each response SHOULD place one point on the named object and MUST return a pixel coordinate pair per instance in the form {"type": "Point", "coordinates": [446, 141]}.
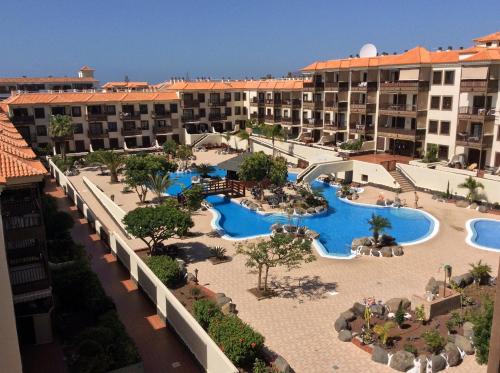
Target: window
{"type": "Point", "coordinates": [201, 97]}
{"type": "Point", "coordinates": [437, 77]}
{"type": "Point", "coordinates": [111, 109]}
{"type": "Point", "coordinates": [143, 109]}
{"type": "Point", "coordinates": [77, 128]}
{"type": "Point", "coordinates": [244, 96]}
{"type": "Point", "coordinates": [173, 108]}
{"type": "Point", "coordinates": [58, 110]}
{"type": "Point", "coordinates": [227, 96]}
{"type": "Point", "coordinates": [364, 178]}
{"type": "Point", "coordinates": [41, 131]}
{"type": "Point", "coordinates": [447, 103]}
{"type": "Point", "coordinates": [449, 77]}
{"type": "Point", "coordinates": [433, 126]}
{"type": "Point", "coordinates": [435, 102]}
{"type": "Point", "coordinates": [203, 113]}
{"type": "Point", "coordinates": [443, 152]}
{"type": "Point", "coordinates": [112, 127]}
{"type": "Point", "coordinates": [39, 112]}
{"type": "Point", "coordinates": [228, 111]}
{"type": "Point", "coordinates": [113, 143]}
{"type": "Point", "coordinates": [445, 128]}
{"type": "Point", "coordinates": [76, 111]}
{"type": "Point", "coordinates": [237, 110]}
{"type": "Point", "coordinates": [245, 110]}
{"type": "Point", "coordinates": [237, 96]}
{"type": "Point", "coordinates": [144, 125]}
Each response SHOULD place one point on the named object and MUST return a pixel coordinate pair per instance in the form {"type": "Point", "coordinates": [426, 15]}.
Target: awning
{"type": "Point", "coordinates": [408, 74]}
{"type": "Point", "coordinates": [474, 73]}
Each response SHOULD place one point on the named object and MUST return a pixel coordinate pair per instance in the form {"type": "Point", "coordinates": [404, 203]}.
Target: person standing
{"type": "Point", "coordinates": [416, 199]}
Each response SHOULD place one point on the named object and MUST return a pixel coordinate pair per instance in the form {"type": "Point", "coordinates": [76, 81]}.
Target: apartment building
{"type": "Point", "coordinates": [26, 295]}
{"type": "Point", "coordinates": [125, 86]}
{"type": "Point", "coordinates": [102, 120]}
{"type": "Point", "coordinates": [84, 80]}
{"type": "Point", "coordinates": [410, 101]}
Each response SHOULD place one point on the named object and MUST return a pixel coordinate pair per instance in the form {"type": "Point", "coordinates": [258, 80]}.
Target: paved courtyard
{"type": "Point", "coordinates": [298, 323]}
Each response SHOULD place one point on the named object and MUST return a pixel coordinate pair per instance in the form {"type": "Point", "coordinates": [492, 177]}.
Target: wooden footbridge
{"type": "Point", "coordinates": [230, 188]}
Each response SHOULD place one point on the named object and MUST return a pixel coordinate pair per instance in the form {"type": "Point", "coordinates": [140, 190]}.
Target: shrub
{"type": "Point", "coordinates": [194, 197]}
{"type": "Point", "coordinates": [205, 311]}
{"type": "Point", "coordinates": [411, 349]}
{"type": "Point", "coordinates": [435, 342]}
{"type": "Point", "coordinates": [352, 145]}
{"type": "Point", "coordinates": [481, 272]}
{"type": "Point", "coordinates": [239, 341]}
{"type": "Point", "coordinates": [451, 325]}
{"type": "Point", "coordinates": [64, 250]}
{"type": "Point", "coordinates": [218, 251]}
{"type": "Point", "coordinates": [195, 292]}
{"type": "Point", "coordinates": [399, 316]}
{"type": "Point", "coordinates": [482, 331]}
{"type": "Point", "coordinates": [432, 154]}
{"type": "Point", "coordinates": [165, 268]}
{"type": "Point", "coordinates": [259, 366]}
{"type": "Point", "coordinates": [420, 313]}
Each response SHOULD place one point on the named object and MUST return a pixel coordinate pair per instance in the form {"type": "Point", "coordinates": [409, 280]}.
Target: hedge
{"type": "Point", "coordinates": [205, 311]}
{"type": "Point", "coordinates": [165, 268]}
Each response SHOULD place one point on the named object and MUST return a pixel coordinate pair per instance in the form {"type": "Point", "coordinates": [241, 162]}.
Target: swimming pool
{"type": "Point", "coordinates": [484, 234]}
{"type": "Point", "coordinates": [337, 227]}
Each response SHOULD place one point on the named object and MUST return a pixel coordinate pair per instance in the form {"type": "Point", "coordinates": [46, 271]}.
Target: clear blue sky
{"type": "Point", "coordinates": [154, 40]}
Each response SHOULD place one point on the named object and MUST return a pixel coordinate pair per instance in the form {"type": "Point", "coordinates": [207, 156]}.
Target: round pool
{"type": "Point", "coordinates": [484, 234]}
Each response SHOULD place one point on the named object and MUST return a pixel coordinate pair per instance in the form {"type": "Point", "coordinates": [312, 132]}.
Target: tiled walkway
{"type": "Point", "coordinates": [160, 349]}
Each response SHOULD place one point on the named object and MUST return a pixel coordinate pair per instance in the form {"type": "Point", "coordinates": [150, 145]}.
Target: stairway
{"type": "Point", "coordinates": [405, 184]}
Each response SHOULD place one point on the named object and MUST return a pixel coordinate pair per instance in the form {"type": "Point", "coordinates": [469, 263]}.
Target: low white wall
{"type": "Point", "coordinates": [192, 334]}
{"type": "Point", "coordinates": [368, 145]}
{"type": "Point", "coordinates": [375, 172]}
{"type": "Point", "coordinates": [258, 147]}
{"type": "Point", "coordinates": [437, 180]}
{"type": "Point", "coordinates": [338, 168]}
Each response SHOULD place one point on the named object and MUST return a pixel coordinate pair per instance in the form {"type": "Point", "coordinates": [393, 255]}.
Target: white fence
{"type": "Point", "coordinates": [192, 334]}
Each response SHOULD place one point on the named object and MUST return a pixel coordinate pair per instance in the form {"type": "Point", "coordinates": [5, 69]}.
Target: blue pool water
{"type": "Point", "coordinates": [486, 233]}
{"type": "Point", "coordinates": [337, 227]}
{"type": "Point", "coordinates": [183, 180]}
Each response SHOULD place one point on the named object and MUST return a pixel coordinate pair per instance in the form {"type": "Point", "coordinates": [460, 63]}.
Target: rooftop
{"type": "Point", "coordinates": [47, 79]}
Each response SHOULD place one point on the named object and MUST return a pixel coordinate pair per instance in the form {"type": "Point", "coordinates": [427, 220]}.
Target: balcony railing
{"type": "Point", "coordinates": [412, 134]}
{"type": "Point", "coordinates": [363, 86]}
{"type": "Point", "coordinates": [21, 207]}
{"type": "Point", "coordinates": [290, 121]}
{"type": "Point", "coordinates": [476, 113]}
{"type": "Point", "coordinates": [217, 116]}
{"type": "Point", "coordinates": [395, 109]}
{"type": "Point", "coordinates": [131, 131]}
{"type": "Point", "coordinates": [474, 141]}
{"type": "Point", "coordinates": [29, 277]}
{"type": "Point", "coordinates": [478, 85]}
{"type": "Point", "coordinates": [190, 118]}
{"type": "Point", "coordinates": [334, 126]}
{"type": "Point", "coordinates": [406, 86]}
{"type": "Point", "coordinates": [190, 103]}
{"type": "Point", "coordinates": [214, 103]}
{"type": "Point", "coordinates": [162, 129]}
{"type": "Point", "coordinates": [22, 221]}
{"type": "Point", "coordinates": [93, 134]}
{"type": "Point", "coordinates": [97, 117]}
{"type": "Point", "coordinates": [256, 116]}
{"type": "Point", "coordinates": [127, 115]}
{"type": "Point", "coordinates": [361, 128]}
{"type": "Point", "coordinates": [23, 119]}
{"type": "Point", "coordinates": [312, 123]}
{"type": "Point", "coordinates": [160, 115]}
{"type": "Point", "coordinates": [331, 86]}
{"type": "Point", "coordinates": [315, 105]}
{"type": "Point", "coordinates": [257, 101]}
{"type": "Point", "coordinates": [295, 102]}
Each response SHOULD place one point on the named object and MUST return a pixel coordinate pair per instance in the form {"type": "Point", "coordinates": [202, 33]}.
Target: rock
{"type": "Point", "coordinates": [358, 309]}
{"type": "Point", "coordinates": [450, 346]}
{"type": "Point", "coordinates": [362, 241]}
{"type": "Point", "coordinates": [462, 203]}
{"type": "Point", "coordinates": [345, 335]}
{"type": "Point", "coordinates": [341, 324]}
{"type": "Point", "coordinates": [402, 361]}
{"type": "Point", "coordinates": [464, 344]}
{"type": "Point", "coordinates": [438, 363]}
{"type": "Point", "coordinates": [311, 210]}
{"type": "Point", "coordinates": [281, 365]}
{"type": "Point", "coordinates": [228, 308]}
{"type": "Point", "coordinates": [312, 234]}
{"type": "Point", "coordinates": [378, 309]}
{"type": "Point", "coordinates": [432, 286]}
{"type": "Point", "coordinates": [454, 357]}
{"type": "Point", "coordinates": [394, 303]}
{"type": "Point", "coordinates": [482, 208]}
{"type": "Point", "coordinates": [379, 355]}
{"type": "Point", "coordinates": [473, 205]}
{"type": "Point", "coordinates": [348, 315]}
{"type": "Point", "coordinates": [386, 240]}
{"type": "Point", "coordinates": [386, 251]}
{"type": "Point", "coordinates": [319, 209]}
{"type": "Point", "coordinates": [463, 280]}
{"type": "Point", "coordinates": [219, 295]}
{"type": "Point", "coordinates": [277, 227]}
{"type": "Point", "coordinates": [389, 202]}
{"type": "Point", "coordinates": [365, 250]}
{"type": "Point", "coordinates": [222, 301]}
{"type": "Point", "coordinates": [190, 277]}
{"type": "Point", "coordinates": [380, 202]}
{"type": "Point", "coordinates": [398, 250]}
{"type": "Point", "coordinates": [468, 328]}
{"type": "Point", "coordinates": [375, 253]}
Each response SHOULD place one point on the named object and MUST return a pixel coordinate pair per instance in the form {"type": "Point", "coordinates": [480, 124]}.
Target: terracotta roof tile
{"type": "Point", "coordinates": [49, 79]}
{"type": "Point", "coordinates": [125, 85]}
{"type": "Point", "coordinates": [491, 37]}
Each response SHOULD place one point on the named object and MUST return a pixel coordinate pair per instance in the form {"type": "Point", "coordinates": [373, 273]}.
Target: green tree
{"type": "Point", "coordinates": [183, 153]}
{"type": "Point", "coordinates": [204, 169]}
{"type": "Point", "coordinates": [482, 331]}
{"type": "Point", "coordinates": [278, 173]}
{"type": "Point", "coordinates": [255, 168]}
{"type": "Point", "coordinates": [472, 185]}
{"type": "Point", "coordinates": [138, 169]}
{"type": "Point", "coordinates": [274, 132]}
{"type": "Point", "coordinates": [399, 316]}
{"type": "Point", "coordinates": [432, 154]}
{"type": "Point", "coordinates": [110, 159]}
{"type": "Point", "coordinates": [153, 225]}
{"type": "Point", "coordinates": [60, 126]}
{"type": "Point", "coordinates": [377, 225]}
{"type": "Point", "coordinates": [244, 135]}
{"type": "Point", "coordinates": [170, 147]}
{"type": "Point", "coordinates": [480, 272]}
{"type": "Point", "coordinates": [227, 137]}
{"type": "Point", "coordinates": [193, 197]}
{"type": "Point", "coordinates": [158, 183]}
{"type": "Point", "coordinates": [279, 250]}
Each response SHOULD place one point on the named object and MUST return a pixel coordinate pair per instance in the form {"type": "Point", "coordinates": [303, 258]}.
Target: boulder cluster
{"type": "Point", "coordinates": [387, 247]}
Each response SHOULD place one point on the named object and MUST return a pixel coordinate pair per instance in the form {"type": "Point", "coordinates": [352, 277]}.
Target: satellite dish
{"type": "Point", "coordinates": [368, 50]}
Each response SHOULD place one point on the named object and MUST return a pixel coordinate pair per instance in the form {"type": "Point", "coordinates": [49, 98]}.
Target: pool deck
{"type": "Point", "coordinates": [298, 323]}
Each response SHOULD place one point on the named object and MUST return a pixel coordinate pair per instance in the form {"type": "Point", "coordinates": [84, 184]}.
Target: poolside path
{"type": "Point", "coordinates": [160, 349]}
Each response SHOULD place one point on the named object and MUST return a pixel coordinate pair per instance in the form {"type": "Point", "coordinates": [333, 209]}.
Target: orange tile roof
{"type": "Point", "coordinates": [269, 84]}
{"type": "Point", "coordinates": [82, 97]}
{"type": "Point", "coordinates": [48, 79]}
{"type": "Point", "coordinates": [491, 37]}
{"type": "Point", "coordinates": [86, 68]}
{"type": "Point", "coordinates": [487, 54]}
{"type": "Point", "coordinates": [126, 85]}
{"type": "Point", "coordinates": [17, 159]}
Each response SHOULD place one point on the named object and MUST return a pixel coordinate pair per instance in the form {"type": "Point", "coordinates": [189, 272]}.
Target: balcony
{"type": "Point", "coordinates": [312, 123]}
{"type": "Point", "coordinates": [160, 114]}
{"type": "Point", "coordinates": [127, 115]}
{"type": "Point", "coordinates": [215, 103]}
{"type": "Point", "coordinates": [20, 207]}
{"type": "Point", "coordinates": [477, 142]}
{"type": "Point", "coordinates": [398, 110]}
{"type": "Point", "coordinates": [479, 86]}
{"type": "Point", "coordinates": [291, 103]}
{"type": "Point", "coordinates": [362, 129]}
{"type": "Point", "coordinates": [289, 121]}
{"type": "Point", "coordinates": [256, 101]}
{"type": "Point", "coordinates": [402, 133]}
{"type": "Point", "coordinates": [333, 126]}
{"type": "Point", "coordinates": [216, 116]}
{"type": "Point", "coordinates": [67, 137]}
{"type": "Point", "coordinates": [159, 130]}
{"type": "Point", "coordinates": [96, 117]}
{"type": "Point", "coordinates": [190, 118]}
{"type": "Point", "coordinates": [257, 116]}
{"type": "Point", "coordinates": [362, 108]}
{"type": "Point", "coordinates": [313, 86]}
{"type": "Point", "coordinates": [406, 86]}
{"type": "Point", "coordinates": [190, 104]}
{"type": "Point", "coordinates": [29, 277]}
{"type": "Point", "coordinates": [363, 86]}
{"type": "Point", "coordinates": [22, 119]}
{"type": "Point", "coordinates": [312, 105]}
{"type": "Point", "coordinates": [476, 113]}
{"type": "Point", "coordinates": [131, 131]}
{"type": "Point", "coordinates": [97, 134]}
{"type": "Point", "coordinates": [331, 86]}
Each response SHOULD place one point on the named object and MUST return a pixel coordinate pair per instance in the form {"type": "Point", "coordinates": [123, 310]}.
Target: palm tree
{"type": "Point", "coordinates": [60, 127]}
{"type": "Point", "coordinates": [159, 183]}
{"type": "Point", "coordinates": [274, 131]}
{"type": "Point", "coordinates": [226, 136]}
{"type": "Point", "coordinates": [472, 185]}
{"type": "Point", "coordinates": [244, 135]}
{"type": "Point", "coordinates": [109, 158]}
{"type": "Point", "coordinates": [480, 272]}
{"type": "Point", "coordinates": [383, 331]}
{"type": "Point", "coordinates": [377, 225]}
{"type": "Point", "coordinates": [204, 169]}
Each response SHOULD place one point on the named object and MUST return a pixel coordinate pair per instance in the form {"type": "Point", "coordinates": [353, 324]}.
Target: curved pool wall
{"type": "Point", "coordinates": [338, 226]}
{"type": "Point", "coordinates": [483, 234]}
